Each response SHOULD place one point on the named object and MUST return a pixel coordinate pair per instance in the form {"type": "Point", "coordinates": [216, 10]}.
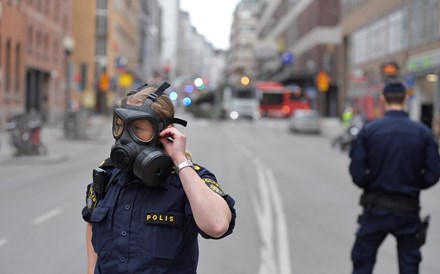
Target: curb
{"type": "Point", "coordinates": [33, 160]}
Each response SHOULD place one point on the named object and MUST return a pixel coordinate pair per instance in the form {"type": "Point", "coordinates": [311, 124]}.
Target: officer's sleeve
{"type": "Point", "coordinates": [431, 173]}
{"type": "Point", "coordinates": [90, 204]}
{"type": "Point", "coordinates": [358, 168]}
{"type": "Point", "coordinates": [211, 181]}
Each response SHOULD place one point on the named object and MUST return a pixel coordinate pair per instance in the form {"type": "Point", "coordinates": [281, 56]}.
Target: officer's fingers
{"type": "Point", "coordinates": [173, 133]}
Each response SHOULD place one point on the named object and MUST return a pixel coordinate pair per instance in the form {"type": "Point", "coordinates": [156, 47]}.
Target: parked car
{"type": "Point", "coordinates": [305, 121]}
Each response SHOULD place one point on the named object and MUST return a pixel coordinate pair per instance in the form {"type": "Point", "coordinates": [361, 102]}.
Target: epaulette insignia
{"type": "Point", "coordinates": [214, 186]}
{"type": "Point", "coordinates": [197, 167]}
{"type": "Point", "coordinates": [106, 163]}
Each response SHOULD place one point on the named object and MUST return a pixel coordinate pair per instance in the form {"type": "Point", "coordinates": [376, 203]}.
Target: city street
{"type": "Point", "coordinates": [296, 204]}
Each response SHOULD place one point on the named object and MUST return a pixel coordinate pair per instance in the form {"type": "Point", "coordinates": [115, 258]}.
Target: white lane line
{"type": "Point", "coordinates": [282, 232]}
{"type": "Point", "coordinates": [265, 212]}
{"type": "Point", "coordinates": [3, 242]}
{"type": "Point", "coordinates": [268, 206]}
{"type": "Point", "coordinates": [47, 216]}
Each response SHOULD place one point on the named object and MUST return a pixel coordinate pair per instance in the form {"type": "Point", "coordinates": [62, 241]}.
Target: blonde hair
{"type": "Point", "coordinates": [162, 106]}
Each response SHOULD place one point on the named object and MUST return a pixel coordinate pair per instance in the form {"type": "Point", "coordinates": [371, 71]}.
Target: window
{"type": "Point", "coordinates": [359, 46]}
{"type": "Point", "coordinates": [424, 21]}
{"type": "Point", "coordinates": [17, 69]}
{"type": "Point", "coordinates": [377, 39]}
{"type": "Point", "coordinates": [8, 66]}
{"type": "Point", "coordinates": [102, 4]}
{"type": "Point", "coordinates": [101, 45]}
{"type": "Point", "coordinates": [398, 30]}
{"type": "Point", "coordinates": [83, 71]}
{"type": "Point", "coordinates": [30, 40]}
{"type": "Point", "coordinates": [56, 51]}
{"type": "Point", "coordinates": [101, 22]}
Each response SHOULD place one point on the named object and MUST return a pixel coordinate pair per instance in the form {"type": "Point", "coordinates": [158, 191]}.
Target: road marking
{"type": "Point", "coordinates": [272, 223]}
{"type": "Point", "coordinates": [268, 206]}
{"type": "Point", "coordinates": [282, 233]}
{"type": "Point", "coordinates": [3, 242]}
{"type": "Point", "coordinates": [47, 216]}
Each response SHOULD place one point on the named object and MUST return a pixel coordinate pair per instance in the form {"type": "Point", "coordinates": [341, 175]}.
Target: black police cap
{"type": "Point", "coordinates": [394, 88]}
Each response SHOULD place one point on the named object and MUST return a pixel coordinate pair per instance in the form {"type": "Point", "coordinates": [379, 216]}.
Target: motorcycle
{"type": "Point", "coordinates": [344, 141]}
{"type": "Point", "coordinates": [25, 135]}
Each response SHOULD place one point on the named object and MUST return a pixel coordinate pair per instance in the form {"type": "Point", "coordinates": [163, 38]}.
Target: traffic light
{"type": "Point", "coordinates": [389, 71]}
{"type": "Point", "coordinates": [322, 81]}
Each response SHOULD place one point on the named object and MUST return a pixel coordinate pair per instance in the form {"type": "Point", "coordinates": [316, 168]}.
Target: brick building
{"type": "Point", "coordinates": [32, 58]}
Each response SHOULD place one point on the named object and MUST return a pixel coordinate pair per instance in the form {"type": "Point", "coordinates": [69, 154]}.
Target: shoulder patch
{"type": "Point", "coordinates": [214, 186]}
{"type": "Point", "coordinates": [91, 199]}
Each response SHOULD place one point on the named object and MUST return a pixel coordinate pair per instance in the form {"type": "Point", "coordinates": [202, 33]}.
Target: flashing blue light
{"type": "Point", "coordinates": [174, 95]}
{"type": "Point", "coordinates": [189, 89]}
{"type": "Point", "coordinates": [186, 101]}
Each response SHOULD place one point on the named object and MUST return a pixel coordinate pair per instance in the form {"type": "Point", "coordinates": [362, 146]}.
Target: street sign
{"type": "Point", "coordinates": [287, 58]}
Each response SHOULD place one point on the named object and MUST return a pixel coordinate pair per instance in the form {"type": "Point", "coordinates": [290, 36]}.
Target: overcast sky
{"type": "Point", "coordinates": [212, 19]}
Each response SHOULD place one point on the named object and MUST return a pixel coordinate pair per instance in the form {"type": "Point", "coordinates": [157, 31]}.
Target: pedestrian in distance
{"type": "Point", "coordinates": [148, 202]}
{"type": "Point", "coordinates": [392, 160]}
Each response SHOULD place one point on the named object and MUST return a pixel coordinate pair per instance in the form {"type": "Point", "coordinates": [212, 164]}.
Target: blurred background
{"type": "Point", "coordinates": [274, 92]}
{"type": "Point", "coordinates": [63, 56]}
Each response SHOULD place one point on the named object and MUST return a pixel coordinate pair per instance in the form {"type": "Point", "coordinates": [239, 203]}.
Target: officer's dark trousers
{"type": "Point", "coordinates": [375, 225]}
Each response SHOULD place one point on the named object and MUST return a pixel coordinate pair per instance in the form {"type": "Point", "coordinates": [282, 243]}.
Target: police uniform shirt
{"type": "Point", "coordinates": [141, 229]}
{"type": "Point", "coordinates": [394, 154]}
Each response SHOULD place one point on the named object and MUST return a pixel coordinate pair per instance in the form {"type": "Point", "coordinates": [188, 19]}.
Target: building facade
{"type": "Point", "coordinates": [243, 39]}
{"type": "Point", "coordinates": [299, 40]}
{"type": "Point", "coordinates": [405, 32]}
{"type": "Point", "coordinates": [32, 57]}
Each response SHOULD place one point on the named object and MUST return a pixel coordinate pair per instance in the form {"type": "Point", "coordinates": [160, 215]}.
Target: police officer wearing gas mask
{"type": "Point", "coordinates": [148, 202]}
{"type": "Point", "coordinates": [392, 160]}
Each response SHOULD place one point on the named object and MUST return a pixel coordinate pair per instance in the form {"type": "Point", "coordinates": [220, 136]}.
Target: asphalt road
{"type": "Point", "coordinates": [295, 203]}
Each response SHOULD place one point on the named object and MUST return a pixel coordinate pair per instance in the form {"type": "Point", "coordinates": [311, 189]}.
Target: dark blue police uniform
{"type": "Point", "coordinates": [392, 159]}
{"type": "Point", "coordinates": [142, 229]}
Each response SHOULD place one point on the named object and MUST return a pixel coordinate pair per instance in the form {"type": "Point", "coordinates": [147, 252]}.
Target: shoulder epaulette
{"type": "Point", "coordinates": [197, 168]}
{"type": "Point", "coordinates": [106, 163]}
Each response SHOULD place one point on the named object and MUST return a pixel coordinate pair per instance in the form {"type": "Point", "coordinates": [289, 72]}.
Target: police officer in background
{"type": "Point", "coordinates": [392, 160]}
{"type": "Point", "coordinates": [148, 202]}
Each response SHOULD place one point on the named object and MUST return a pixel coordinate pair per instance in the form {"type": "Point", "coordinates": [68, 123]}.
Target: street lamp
{"type": "Point", "coordinates": [69, 45]}
{"type": "Point", "coordinates": [69, 124]}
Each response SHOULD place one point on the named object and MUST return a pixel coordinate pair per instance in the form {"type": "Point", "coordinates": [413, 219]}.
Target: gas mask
{"type": "Point", "coordinates": [136, 131]}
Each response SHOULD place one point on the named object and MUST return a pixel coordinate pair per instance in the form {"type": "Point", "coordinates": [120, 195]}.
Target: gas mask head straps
{"type": "Point", "coordinates": [152, 97]}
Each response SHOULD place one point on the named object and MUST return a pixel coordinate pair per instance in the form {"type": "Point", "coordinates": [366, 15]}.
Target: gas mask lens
{"type": "Point", "coordinates": [118, 126]}
{"type": "Point", "coordinates": [142, 129]}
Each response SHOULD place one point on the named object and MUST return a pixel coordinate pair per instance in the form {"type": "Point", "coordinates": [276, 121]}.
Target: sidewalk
{"type": "Point", "coordinates": [49, 134]}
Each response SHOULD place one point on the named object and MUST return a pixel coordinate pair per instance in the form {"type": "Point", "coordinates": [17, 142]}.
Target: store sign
{"type": "Point", "coordinates": [423, 61]}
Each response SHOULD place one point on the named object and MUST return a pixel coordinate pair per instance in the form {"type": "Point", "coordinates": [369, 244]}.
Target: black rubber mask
{"type": "Point", "coordinates": [136, 131]}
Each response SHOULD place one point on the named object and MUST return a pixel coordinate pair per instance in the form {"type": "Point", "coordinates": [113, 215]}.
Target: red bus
{"type": "Point", "coordinates": [277, 100]}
